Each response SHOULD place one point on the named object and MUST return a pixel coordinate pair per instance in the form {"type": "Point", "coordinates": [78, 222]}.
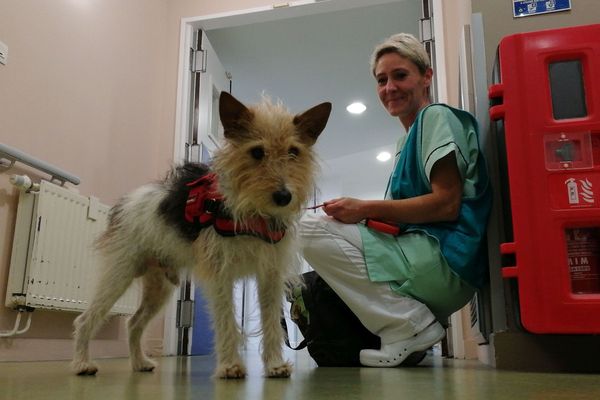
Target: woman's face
{"type": "Point", "coordinates": [401, 87]}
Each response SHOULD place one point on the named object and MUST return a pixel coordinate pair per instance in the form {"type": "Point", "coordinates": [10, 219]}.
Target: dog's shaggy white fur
{"type": "Point", "coordinates": [264, 171]}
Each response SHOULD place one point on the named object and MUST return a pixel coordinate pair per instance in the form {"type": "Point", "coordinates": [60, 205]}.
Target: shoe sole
{"type": "Point", "coordinates": [374, 358]}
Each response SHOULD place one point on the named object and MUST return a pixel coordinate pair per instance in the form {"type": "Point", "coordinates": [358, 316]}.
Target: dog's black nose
{"type": "Point", "coordinates": [282, 197]}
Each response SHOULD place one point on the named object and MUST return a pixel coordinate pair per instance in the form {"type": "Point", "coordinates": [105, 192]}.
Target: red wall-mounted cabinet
{"type": "Point", "coordinates": [549, 101]}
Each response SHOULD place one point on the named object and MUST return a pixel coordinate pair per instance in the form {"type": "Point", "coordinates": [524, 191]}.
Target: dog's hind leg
{"type": "Point", "coordinates": [158, 284]}
{"type": "Point", "coordinates": [114, 281]}
{"type": "Point", "coordinates": [270, 296]}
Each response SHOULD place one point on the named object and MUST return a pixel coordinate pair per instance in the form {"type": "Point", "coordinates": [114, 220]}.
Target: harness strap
{"type": "Point", "coordinates": [256, 227]}
{"type": "Point", "coordinates": [204, 206]}
{"type": "Point", "coordinates": [203, 200]}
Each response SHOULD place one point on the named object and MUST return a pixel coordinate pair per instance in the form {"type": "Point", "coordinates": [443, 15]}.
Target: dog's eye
{"type": "Point", "coordinates": [257, 152]}
{"type": "Point", "coordinates": [294, 152]}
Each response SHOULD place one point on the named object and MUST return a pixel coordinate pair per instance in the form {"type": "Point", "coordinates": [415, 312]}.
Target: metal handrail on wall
{"type": "Point", "coordinates": [13, 155]}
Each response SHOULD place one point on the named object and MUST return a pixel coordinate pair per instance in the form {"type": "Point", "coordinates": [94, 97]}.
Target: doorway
{"type": "Point", "coordinates": [315, 52]}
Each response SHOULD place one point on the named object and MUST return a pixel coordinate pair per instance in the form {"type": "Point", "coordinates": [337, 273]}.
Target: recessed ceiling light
{"type": "Point", "coordinates": [384, 156]}
{"type": "Point", "coordinates": [356, 108]}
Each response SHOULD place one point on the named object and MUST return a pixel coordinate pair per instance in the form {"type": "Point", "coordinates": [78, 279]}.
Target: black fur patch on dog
{"type": "Point", "coordinates": [172, 208]}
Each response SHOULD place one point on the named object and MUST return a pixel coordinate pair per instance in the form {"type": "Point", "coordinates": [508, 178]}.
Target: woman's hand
{"type": "Point", "coordinates": [346, 209]}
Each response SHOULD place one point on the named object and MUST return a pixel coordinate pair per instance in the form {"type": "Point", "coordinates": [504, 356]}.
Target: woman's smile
{"type": "Point", "coordinates": [402, 88]}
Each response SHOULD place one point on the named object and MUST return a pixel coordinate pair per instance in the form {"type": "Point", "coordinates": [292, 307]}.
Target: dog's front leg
{"type": "Point", "coordinates": [270, 293]}
{"type": "Point", "coordinates": [228, 338]}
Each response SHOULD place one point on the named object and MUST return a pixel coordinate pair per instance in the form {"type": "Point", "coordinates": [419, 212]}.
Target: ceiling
{"type": "Point", "coordinates": [309, 59]}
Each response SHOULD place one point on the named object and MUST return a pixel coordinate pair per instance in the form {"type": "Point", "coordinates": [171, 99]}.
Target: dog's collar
{"type": "Point", "coordinates": [204, 206]}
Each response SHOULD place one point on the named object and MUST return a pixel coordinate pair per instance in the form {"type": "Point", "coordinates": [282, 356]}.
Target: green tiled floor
{"type": "Point", "coordinates": [183, 378]}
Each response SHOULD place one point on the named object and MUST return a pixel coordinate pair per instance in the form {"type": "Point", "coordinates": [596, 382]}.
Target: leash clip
{"type": "Point", "coordinates": [212, 205]}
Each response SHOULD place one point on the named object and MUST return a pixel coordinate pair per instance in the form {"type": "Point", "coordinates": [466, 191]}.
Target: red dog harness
{"type": "Point", "coordinates": [204, 206]}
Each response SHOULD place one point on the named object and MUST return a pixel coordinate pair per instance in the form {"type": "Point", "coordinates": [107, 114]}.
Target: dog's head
{"type": "Point", "coordinates": [267, 164]}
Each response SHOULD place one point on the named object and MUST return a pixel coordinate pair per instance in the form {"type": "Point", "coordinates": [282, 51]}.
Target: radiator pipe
{"type": "Point", "coordinates": [16, 331]}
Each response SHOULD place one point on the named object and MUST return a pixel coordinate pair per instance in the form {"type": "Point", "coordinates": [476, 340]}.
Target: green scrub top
{"type": "Point", "coordinates": [439, 263]}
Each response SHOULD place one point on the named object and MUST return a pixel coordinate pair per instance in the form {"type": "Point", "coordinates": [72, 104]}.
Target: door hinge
{"type": "Point", "coordinates": [426, 29]}
{"type": "Point", "coordinates": [194, 154]}
{"type": "Point", "coordinates": [198, 60]}
{"type": "Point", "coordinates": [185, 313]}
{"type": "Point", "coordinates": [426, 22]}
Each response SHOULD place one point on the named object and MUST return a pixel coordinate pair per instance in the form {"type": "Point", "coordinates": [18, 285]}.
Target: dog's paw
{"type": "Point", "coordinates": [143, 365]}
{"type": "Point", "coordinates": [235, 371]}
{"type": "Point", "coordinates": [281, 371]}
{"type": "Point", "coordinates": [84, 368]}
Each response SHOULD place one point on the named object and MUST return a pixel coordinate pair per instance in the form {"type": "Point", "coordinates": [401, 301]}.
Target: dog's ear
{"type": "Point", "coordinates": [233, 114]}
{"type": "Point", "coordinates": [312, 122]}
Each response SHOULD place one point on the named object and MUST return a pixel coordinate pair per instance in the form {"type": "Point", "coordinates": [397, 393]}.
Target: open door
{"type": "Point", "coordinates": [207, 80]}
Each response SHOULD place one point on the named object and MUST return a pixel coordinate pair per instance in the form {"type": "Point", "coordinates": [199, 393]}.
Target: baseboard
{"type": "Point", "coordinates": [24, 349]}
{"type": "Point", "coordinates": [545, 353]}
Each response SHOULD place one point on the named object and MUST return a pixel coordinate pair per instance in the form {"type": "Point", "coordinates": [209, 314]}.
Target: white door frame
{"type": "Point", "coordinates": [227, 20]}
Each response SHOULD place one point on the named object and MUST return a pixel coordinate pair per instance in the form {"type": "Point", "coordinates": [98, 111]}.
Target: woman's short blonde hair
{"type": "Point", "coordinates": [405, 45]}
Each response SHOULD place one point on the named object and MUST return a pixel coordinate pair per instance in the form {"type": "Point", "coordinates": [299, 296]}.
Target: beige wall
{"type": "Point", "coordinates": [457, 14]}
{"type": "Point", "coordinates": [90, 86]}
{"type": "Point", "coordinates": [83, 90]}
{"type": "Point", "coordinates": [499, 22]}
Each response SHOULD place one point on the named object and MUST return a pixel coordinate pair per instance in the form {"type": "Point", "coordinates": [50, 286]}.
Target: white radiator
{"type": "Point", "coordinates": [54, 264]}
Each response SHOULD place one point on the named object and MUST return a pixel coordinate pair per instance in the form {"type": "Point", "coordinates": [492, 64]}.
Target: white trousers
{"type": "Point", "coordinates": [335, 251]}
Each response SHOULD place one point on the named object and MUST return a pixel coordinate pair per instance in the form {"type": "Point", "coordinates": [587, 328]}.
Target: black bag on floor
{"type": "Point", "coordinates": [333, 335]}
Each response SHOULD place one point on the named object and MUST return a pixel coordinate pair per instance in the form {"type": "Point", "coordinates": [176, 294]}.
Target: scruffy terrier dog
{"type": "Point", "coordinates": [228, 222]}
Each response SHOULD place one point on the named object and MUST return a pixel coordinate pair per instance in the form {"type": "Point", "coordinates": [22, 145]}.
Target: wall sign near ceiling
{"type": "Point", "coordinates": [527, 8]}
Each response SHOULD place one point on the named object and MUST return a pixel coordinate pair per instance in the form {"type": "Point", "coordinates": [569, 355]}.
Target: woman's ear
{"type": "Point", "coordinates": [428, 76]}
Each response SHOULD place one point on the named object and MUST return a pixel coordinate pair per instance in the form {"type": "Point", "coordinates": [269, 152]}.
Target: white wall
{"type": "Point", "coordinates": [340, 177]}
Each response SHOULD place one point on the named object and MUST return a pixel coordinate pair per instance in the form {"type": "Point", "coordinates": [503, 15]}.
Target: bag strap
{"type": "Point", "coordinates": [302, 344]}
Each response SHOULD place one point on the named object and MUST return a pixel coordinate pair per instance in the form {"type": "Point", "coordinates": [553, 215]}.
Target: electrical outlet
{"type": "Point", "coordinates": [3, 53]}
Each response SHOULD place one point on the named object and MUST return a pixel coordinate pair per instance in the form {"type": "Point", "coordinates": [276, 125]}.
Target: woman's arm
{"type": "Point", "coordinates": [442, 204]}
